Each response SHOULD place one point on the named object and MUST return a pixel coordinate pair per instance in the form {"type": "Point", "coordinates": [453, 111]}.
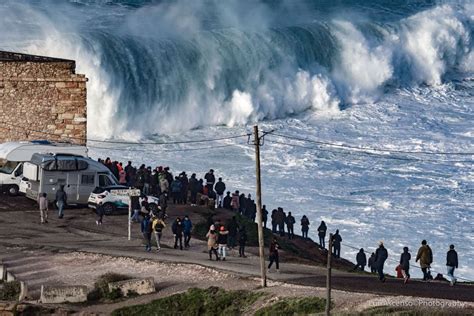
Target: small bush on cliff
{"type": "Point", "coordinates": [101, 287]}
{"type": "Point", "coordinates": [10, 291]}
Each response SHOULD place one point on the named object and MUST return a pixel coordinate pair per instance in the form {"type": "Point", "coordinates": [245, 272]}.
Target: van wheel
{"type": "Point", "coordinates": [13, 190]}
{"type": "Point", "coordinates": [109, 208]}
{"type": "Point", "coordinates": [154, 208]}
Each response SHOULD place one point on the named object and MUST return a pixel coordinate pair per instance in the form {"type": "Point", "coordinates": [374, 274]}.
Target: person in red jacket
{"type": "Point", "coordinates": [274, 257]}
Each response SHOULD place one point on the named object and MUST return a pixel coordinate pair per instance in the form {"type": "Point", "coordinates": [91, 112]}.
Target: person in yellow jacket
{"type": "Point", "coordinates": [157, 224]}
{"type": "Point", "coordinates": [425, 255]}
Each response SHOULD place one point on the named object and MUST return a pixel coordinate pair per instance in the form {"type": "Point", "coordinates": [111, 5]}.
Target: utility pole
{"type": "Point", "coordinates": [328, 279]}
{"type": "Point", "coordinates": [261, 242]}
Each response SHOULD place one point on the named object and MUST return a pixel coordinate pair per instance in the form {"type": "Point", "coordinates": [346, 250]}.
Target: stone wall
{"type": "Point", "coordinates": [42, 100]}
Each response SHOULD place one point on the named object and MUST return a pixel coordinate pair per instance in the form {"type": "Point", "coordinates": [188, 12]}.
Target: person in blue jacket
{"type": "Point", "coordinates": [187, 228]}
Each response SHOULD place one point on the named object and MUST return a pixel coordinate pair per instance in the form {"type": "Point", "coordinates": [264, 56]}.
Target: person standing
{"type": "Point", "coordinates": [61, 201]}
{"type": "Point", "coordinates": [233, 228]}
{"type": "Point", "coordinates": [210, 180]}
{"type": "Point", "coordinates": [381, 254]}
{"type": "Point", "coordinates": [451, 264]}
{"type": "Point", "coordinates": [194, 189]}
{"type": "Point", "coordinates": [336, 244]}
{"type": "Point", "coordinates": [322, 229]}
{"type": "Point", "coordinates": [361, 260]}
{"type": "Point", "coordinates": [222, 242]}
{"type": "Point", "coordinates": [212, 242]}
{"type": "Point", "coordinates": [304, 226]}
{"type": "Point", "coordinates": [235, 202]}
{"type": "Point", "coordinates": [100, 213]}
{"type": "Point", "coordinates": [264, 216]}
{"type": "Point", "coordinates": [176, 190]}
{"type": "Point", "coordinates": [227, 204]}
{"type": "Point", "coordinates": [371, 264]}
{"type": "Point", "coordinates": [220, 189]}
{"type": "Point", "coordinates": [274, 221]}
{"type": "Point", "coordinates": [177, 230]}
{"type": "Point", "coordinates": [281, 221]}
{"type": "Point", "coordinates": [425, 256]}
{"type": "Point", "coordinates": [274, 256]}
{"type": "Point", "coordinates": [290, 222]}
{"type": "Point", "coordinates": [187, 228]}
{"type": "Point", "coordinates": [242, 242]}
{"type": "Point", "coordinates": [146, 231]}
{"type": "Point", "coordinates": [157, 226]}
{"type": "Point", "coordinates": [43, 207]}
{"type": "Point", "coordinates": [405, 264]}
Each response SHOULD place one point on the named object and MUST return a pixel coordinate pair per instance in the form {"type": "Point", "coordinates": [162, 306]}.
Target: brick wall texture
{"type": "Point", "coordinates": [42, 100]}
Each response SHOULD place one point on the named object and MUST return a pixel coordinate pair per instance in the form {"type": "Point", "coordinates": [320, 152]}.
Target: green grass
{"type": "Point", "coordinates": [10, 291]}
{"type": "Point", "coordinates": [294, 306]}
{"type": "Point", "coordinates": [209, 302]}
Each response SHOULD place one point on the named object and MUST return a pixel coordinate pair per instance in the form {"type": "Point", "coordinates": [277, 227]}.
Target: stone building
{"type": "Point", "coordinates": [41, 98]}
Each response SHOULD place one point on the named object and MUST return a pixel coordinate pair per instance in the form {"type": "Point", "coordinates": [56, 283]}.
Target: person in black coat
{"type": "Point", "coordinates": [227, 204]}
{"type": "Point", "coordinates": [361, 260]}
{"type": "Point", "coordinates": [451, 264]}
{"type": "Point", "coordinates": [381, 254]}
{"type": "Point", "coordinates": [210, 180]}
{"type": "Point", "coordinates": [336, 244]}
{"type": "Point", "coordinates": [194, 189]}
{"type": "Point", "coordinates": [405, 264]}
{"type": "Point", "coordinates": [264, 216]}
{"type": "Point", "coordinates": [290, 222]}
{"type": "Point", "coordinates": [177, 229]}
{"type": "Point", "coordinates": [371, 263]}
{"type": "Point", "coordinates": [242, 242]}
{"type": "Point", "coordinates": [220, 189]}
{"type": "Point", "coordinates": [322, 229]}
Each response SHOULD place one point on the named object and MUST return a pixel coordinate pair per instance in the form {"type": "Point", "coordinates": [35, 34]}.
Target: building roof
{"type": "Point", "coordinates": [11, 56]}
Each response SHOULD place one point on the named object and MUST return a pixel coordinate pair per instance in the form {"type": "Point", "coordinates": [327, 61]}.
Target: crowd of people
{"type": "Point", "coordinates": [159, 182]}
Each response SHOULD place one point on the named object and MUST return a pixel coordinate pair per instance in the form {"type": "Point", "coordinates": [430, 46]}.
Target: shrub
{"type": "Point", "coordinates": [10, 291]}
{"type": "Point", "coordinates": [101, 287]}
{"type": "Point", "coordinates": [294, 306]}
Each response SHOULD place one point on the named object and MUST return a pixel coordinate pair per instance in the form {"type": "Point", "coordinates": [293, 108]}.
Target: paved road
{"type": "Point", "coordinates": [19, 226]}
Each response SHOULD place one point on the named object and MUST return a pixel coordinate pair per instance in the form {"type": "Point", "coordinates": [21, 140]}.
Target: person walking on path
{"type": "Point", "coordinates": [304, 226]}
{"type": "Point", "coordinates": [290, 222]}
{"type": "Point", "coordinates": [100, 213]}
{"type": "Point", "coordinates": [361, 260]}
{"type": "Point", "coordinates": [220, 189]}
{"type": "Point", "coordinates": [187, 228]}
{"type": "Point", "coordinates": [212, 242]}
{"type": "Point", "coordinates": [61, 201]}
{"type": "Point", "coordinates": [336, 244]}
{"type": "Point", "coordinates": [371, 264]}
{"type": "Point", "coordinates": [242, 242]}
{"type": "Point", "coordinates": [381, 254]}
{"type": "Point", "coordinates": [222, 242]}
{"type": "Point", "coordinates": [274, 257]}
{"type": "Point", "coordinates": [177, 229]}
{"type": "Point", "coordinates": [146, 231]}
{"type": "Point", "coordinates": [405, 258]}
{"type": "Point", "coordinates": [157, 226]}
{"type": "Point", "coordinates": [425, 256]}
{"type": "Point", "coordinates": [43, 207]}
{"type": "Point", "coordinates": [322, 229]}
{"type": "Point", "coordinates": [451, 264]}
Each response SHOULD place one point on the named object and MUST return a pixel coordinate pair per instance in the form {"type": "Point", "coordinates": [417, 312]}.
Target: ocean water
{"type": "Point", "coordinates": [394, 76]}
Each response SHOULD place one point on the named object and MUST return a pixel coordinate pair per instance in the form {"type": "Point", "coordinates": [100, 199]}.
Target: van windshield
{"type": "Point", "coordinates": [8, 167]}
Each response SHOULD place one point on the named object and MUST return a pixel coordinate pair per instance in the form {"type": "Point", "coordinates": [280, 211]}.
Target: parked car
{"type": "Point", "coordinates": [116, 203]}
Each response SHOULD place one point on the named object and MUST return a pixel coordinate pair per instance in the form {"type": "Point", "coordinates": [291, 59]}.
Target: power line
{"type": "Point", "coordinates": [345, 146]}
{"type": "Point", "coordinates": [131, 143]}
{"type": "Point", "coordinates": [163, 150]}
{"type": "Point", "coordinates": [364, 153]}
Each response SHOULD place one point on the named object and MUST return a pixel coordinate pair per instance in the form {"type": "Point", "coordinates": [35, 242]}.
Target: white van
{"type": "Point", "coordinates": [14, 154]}
{"type": "Point", "coordinates": [45, 173]}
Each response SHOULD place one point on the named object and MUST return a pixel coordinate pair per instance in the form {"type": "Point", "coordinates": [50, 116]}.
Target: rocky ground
{"type": "Point", "coordinates": [74, 251]}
